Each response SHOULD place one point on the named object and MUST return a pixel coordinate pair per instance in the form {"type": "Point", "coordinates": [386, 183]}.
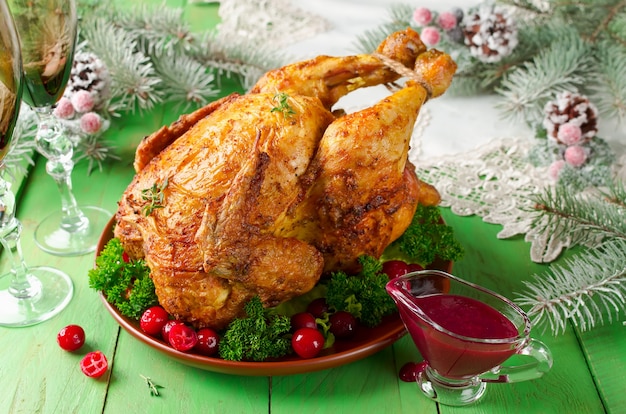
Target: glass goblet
{"type": "Point", "coordinates": [47, 32]}
{"type": "Point", "coordinates": [27, 295]}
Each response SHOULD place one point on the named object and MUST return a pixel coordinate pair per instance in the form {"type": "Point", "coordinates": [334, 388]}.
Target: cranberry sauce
{"type": "Point", "coordinates": [452, 356]}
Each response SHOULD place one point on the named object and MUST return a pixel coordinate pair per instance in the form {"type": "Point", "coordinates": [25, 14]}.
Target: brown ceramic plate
{"type": "Point", "coordinates": [367, 342]}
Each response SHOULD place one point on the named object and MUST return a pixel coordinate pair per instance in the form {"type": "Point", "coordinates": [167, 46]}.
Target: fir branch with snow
{"type": "Point", "coordinates": [589, 288]}
{"type": "Point", "coordinates": [552, 46]}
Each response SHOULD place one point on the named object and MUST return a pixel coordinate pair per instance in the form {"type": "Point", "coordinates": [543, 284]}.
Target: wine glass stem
{"type": "Point", "coordinates": [10, 230]}
{"type": "Point", "coordinates": [53, 142]}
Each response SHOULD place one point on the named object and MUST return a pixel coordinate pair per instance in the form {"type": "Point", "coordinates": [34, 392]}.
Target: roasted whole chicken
{"type": "Point", "coordinates": [262, 193]}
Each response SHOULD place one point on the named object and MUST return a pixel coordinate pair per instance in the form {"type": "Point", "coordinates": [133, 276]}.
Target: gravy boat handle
{"type": "Point", "coordinates": [542, 363]}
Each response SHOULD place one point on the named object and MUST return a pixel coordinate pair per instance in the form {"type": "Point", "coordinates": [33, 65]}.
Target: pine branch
{"type": "Point", "coordinates": [95, 151]}
{"type": "Point", "coordinates": [612, 11]}
{"type": "Point", "coordinates": [134, 78]}
{"type": "Point", "coordinates": [156, 29]}
{"type": "Point", "coordinates": [242, 59]}
{"type": "Point", "coordinates": [616, 194]}
{"type": "Point", "coordinates": [20, 155]}
{"type": "Point", "coordinates": [609, 91]}
{"type": "Point", "coordinates": [400, 19]}
{"type": "Point", "coordinates": [586, 289]}
{"type": "Point", "coordinates": [585, 220]}
{"type": "Point", "coordinates": [563, 66]}
{"type": "Point", "coordinates": [185, 80]}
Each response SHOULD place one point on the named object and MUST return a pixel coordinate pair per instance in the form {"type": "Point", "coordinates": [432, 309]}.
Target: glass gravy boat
{"type": "Point", "coordinates": [464, 333]}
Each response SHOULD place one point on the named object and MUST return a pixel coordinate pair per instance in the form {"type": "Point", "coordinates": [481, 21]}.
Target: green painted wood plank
{"type": "Point", "coordinates": [605, 349]}
{"type": "Point", "coordinates": [185, 389]}
{"type": "Point", "coordinates": [365, 386]}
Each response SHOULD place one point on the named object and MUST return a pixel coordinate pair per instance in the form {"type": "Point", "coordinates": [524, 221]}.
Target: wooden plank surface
{"type": "Point", "coordinates": [37, 377]}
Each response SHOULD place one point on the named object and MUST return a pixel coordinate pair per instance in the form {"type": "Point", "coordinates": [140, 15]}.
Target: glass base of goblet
{"type": "Point", "coordinates": [50, 292]}
{"type": "Point", "coordinates": [54, 239]}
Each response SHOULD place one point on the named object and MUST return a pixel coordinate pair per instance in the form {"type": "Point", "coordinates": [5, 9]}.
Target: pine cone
{"type": "Point", "coordinates": [490, 33]}
{"type": "Point", "coordinates": [91, 74]}
{"type": "Point", "coordinates": [571, 108]}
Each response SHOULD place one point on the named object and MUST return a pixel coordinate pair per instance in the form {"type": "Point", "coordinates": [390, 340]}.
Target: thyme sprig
{"type": "Point", "coordinates": [155, 196]}
{"type": "Point", "coordinates": [154, 388]}
{"type": "Point", "coordinates": [283, 105]}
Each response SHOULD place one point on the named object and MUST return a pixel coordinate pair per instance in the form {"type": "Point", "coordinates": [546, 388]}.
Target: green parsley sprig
{"type": "Point", "coordinates": [426, 238]}
{"type": "Point", "coordinates": [257, 336]}
{"type": "Point", "coordinates": [126, 285]}
{"type": "Point", "coordinates": [155, 196]}
{"type": "Point", "coordinates": [363, 294]}
{"type": "Point", "coordinates": [282, 100]}
{"type": "Point", "coordinates": [152, 386]}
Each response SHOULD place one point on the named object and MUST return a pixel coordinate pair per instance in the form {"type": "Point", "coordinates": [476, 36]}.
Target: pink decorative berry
{"type": "Point", "coordinates": [575, 155]}
{"type": "Point", "coordinates": [555, 168]}
{"type": "Point", "coordinates": [447, 21]}
{"type": "Point", "coordinates": [422, 16]}
{"type": "Point", "coordinates": [569, 134]}
{"type": "Point", "coordinates": [82, 101]}
{"type": "Point", "coordinates": [90, 122]}
{"type": "Point", "coordinates": [64, 109]}
{"type": "Point", "coordinates": [430, 36]}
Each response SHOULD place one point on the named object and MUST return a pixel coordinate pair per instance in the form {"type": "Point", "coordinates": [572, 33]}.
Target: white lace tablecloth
{"type": "Point", "coordinates": [462, 145]}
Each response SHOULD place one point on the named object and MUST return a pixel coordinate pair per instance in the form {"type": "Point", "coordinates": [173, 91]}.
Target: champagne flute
{"type": "Point", "coordinates": [47, 31]}
{"type": "Point", "coordinates": [27, 295]}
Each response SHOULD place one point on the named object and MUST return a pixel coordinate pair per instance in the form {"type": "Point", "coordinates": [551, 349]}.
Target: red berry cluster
{"type": "Point", "coordinates": [156, 322]}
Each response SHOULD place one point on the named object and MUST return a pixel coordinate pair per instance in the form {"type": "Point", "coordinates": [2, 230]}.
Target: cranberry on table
{"type": "Point", "coordinates": [409, 371]}
{"type": "Point", "coordinates": [153, 320]}
{"type": "Point", "coordinates": [182, 337]}
{"type": "Point", "coordinates": [208, 342]}
{"type": "Point", "coordinates": [94, 364]}
{"type": "Point", "coordinates": [303, 320]}
{"type": "Point", "coordinates": [318, 307]}
{"type": "Point", "coordinates": [307, 342]}
{"type": "Point", "coordinates": [342, 324]}
{"type": "Point", "coordinates": [71, 338]}
{"type": "Point", "coordinates": [165, 331]}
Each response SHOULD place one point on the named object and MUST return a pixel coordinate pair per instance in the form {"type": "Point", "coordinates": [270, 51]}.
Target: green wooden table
{"type": "Point", "coordinates": [36, 376]}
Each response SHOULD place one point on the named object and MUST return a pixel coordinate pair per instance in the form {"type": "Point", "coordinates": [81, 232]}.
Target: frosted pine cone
{"type": "Point", "coordinates": [490, 33]}
{"type": "Point", "coordinates": [89, 73]}
{"type": "Point", "coordinates": [574, 110]}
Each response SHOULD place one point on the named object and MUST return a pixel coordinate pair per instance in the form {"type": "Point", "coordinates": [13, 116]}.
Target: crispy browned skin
{"type": "Point", "coordinates": [261, 202]}
{"type": "Point", "coordinates": [154, 143]}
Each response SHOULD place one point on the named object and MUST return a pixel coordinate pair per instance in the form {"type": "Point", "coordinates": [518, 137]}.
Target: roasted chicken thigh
{"type": "Point", "coordinates": [260, 194]}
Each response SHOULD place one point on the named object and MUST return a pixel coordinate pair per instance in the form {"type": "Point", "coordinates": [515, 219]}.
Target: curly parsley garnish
{"type": "Point", "coordinates": [126, 285]}
{"type": "Point", "coordinates": [364, 294]}
{"type": "Point", "coordinates": [426, 237]}
{"type": "Point", "coordinates": [155, 196]}
{"type": "Point", "coordinates": [257, 336]}
{"type": "Point", "coordinates": [283, 105]}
